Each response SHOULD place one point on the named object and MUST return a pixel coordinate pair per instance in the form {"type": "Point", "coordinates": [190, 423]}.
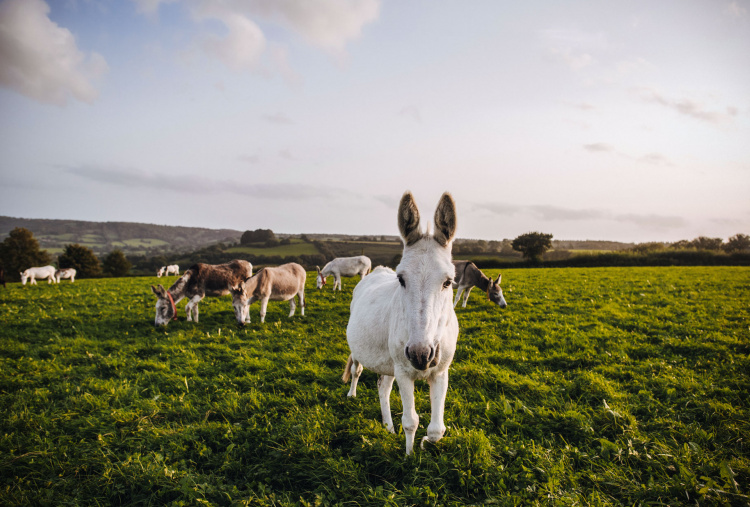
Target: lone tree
{"type": "Point", "coordinates": [116, 264]}
{"type": "Point", "coordinates": [737, 243]}
{"type": "Point", "coordinates": [82, 259]}
{"type": "Point", "coordinates": [532, 245]}
{"type": "Point", "coordinates": [257, 236]}
{"type": "Point", "coordinates": [20, 251]}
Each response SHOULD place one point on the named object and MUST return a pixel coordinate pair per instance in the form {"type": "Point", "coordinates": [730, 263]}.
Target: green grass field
{"type": "Point", "coordinates": [594, 387]}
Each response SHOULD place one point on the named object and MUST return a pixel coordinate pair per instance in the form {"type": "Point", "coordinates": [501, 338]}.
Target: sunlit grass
{"type": "Point", "coordinates": [595, 386]}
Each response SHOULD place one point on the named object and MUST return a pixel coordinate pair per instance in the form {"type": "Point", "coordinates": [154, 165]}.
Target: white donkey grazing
{"type": "Point", "coordinates": [161, 271]}
{"type": "Point", "coordinates": [66, 273]}
{"type": "Point", "coordinates": [281, 283]}
{"type": "Point", "coordinates": [199, 281]}
{"type": "Point", "coordinates": [32, 274]}
{"type": "Point", "coordinates": [172, 269]}
{"type": "Point", "coordinates": [343, 266]}
{"type": "Point", "coordinates": [402, 324]}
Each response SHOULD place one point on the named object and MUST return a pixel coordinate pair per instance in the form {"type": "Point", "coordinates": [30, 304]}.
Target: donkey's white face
{"type": "Point", "coordinates": [240, 303]}
{"type": "Point", "coordinates": [165, 308]}
{"type": "Point", "coordinates": [24, 277]}
{"type": "Point", "coordinates": [495, 293]}
{"type": "Point", "coordinates": [426, 276]}
{"type": "Point", "coordinates": [320, 280]}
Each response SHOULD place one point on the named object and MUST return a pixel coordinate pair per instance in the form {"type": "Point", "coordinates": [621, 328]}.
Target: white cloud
{"type": "Point", "coordinates": [412, 112]}
{"type": "Point", "coordinates": [556, 213]}
{"type": "Point", "coordinates": [598, 147]}
{"type": "Point", "coordinates": [40, 59]}
{"type": "Point", "coordinates": [687, 106]}
{"type": "Point", "coordinates": [736, 10]}
{"type": "Point", "coordinates": [197, 185]}
{"type": "Point", "coordinates": [278, 119]}
{"type": "Point", "coordinates": [576, 61]}
{"type": "Point", "coordinates": [150, 7]}
{"type": "Point", "coordinates": [329, 24]}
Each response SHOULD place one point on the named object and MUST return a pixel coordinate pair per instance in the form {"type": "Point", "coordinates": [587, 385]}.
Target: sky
{"type": "Point", "coordinates": [597, 119]}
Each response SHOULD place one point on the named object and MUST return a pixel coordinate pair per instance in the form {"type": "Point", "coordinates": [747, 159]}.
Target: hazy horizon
{"type": "Point", "coordinates": [603, 121]}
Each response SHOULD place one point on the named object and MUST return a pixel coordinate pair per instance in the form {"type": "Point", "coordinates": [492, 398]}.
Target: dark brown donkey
{"type": "Point", "coordinates": [469, 276]}
{"type": "Point", "coordinates": [199, 281]}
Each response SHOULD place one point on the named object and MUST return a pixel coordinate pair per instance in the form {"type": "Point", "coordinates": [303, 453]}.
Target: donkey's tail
{"type": "Point", "coordinates": [348, 369]}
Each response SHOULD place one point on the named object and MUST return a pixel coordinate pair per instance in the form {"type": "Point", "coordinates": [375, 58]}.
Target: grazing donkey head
{"type": "Point", "coordinates": [426, 275]}
{"type": "Point", "coordinates": [166, 309]}
{"type": "Point", "coordinates": [495, 293]}
{"type": "Point", "coordinates": [320, 280]}
{"type": "Point", "coordinates": [240, 302]}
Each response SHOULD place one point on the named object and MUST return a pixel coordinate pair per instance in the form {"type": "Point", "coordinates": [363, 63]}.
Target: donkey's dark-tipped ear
{"type": "Point", "coordinates": [445, 220]}
{"type": "Point", "coordinates": [408, 219]}
{"type": "Point", "coordinates": [158, 291]}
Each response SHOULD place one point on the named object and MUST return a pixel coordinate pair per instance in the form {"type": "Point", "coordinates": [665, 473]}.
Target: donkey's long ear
{"type": "Point", "coordinates": [159, 291]}
{"type": "Point", "coordinates": [408, 219]}
{"type": "Point", "coordinates": [445, 220]}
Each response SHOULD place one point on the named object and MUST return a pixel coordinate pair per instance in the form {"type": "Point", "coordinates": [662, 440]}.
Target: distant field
{"type": "Point", "coordinates": [295, 249]}
{"type": "Point", "coordinates": [601, 386]}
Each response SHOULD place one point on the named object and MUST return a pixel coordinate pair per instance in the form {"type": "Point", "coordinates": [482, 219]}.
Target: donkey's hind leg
{"type": "Point", "coordinates": [385, 384]}
{"type": "Point", "coordinates": [466, 296]}
{"type": "Point", "coordinates": [301, 295]}
{"type": "Point", "coordinates": [292, 307]}
{"type": "Point", "coordinates": [356, 370]}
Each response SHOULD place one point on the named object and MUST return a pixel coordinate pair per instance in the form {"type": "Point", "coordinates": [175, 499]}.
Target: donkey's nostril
{"type": "Point", "coordinates": [406, 352]}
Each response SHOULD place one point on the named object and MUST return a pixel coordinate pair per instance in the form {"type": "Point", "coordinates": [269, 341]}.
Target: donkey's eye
{"type": "Point", "coordinates": [447, 283]}
{"type": "Point", "coordinates": [401, 281]}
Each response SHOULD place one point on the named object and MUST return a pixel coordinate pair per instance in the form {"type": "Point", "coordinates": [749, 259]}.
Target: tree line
{"type": "Point", "coordinates": [20, 251]}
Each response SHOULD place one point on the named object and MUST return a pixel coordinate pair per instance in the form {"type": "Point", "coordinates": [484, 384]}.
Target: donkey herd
{"type": "Point", "coordinates": [402, 323]}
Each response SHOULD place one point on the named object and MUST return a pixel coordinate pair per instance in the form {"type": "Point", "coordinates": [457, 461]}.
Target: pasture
{"type": "Point", "coordinates": [594, 386]}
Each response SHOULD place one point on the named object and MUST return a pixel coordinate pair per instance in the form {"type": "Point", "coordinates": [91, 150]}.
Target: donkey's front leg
{"type": "Point", "coordinates": [192, 306]}
{"type": "Point", "coordinates": [410, 419]}
{"type": "Point", "coordinates": [438, 390]}
{"type": "Point", "coordinates": [301, 295]}
{"type": "Point", "coordinates": [263, 306]}
{"type": "Point", "coordinates": [385, 384]}
{"type": "Point", "coordinates": [459, 290]}
{"type": "Point", "coordinates": [292, 307]}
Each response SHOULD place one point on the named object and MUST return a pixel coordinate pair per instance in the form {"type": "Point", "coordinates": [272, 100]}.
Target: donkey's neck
{"type": "Point", "coordinates": [483, 282]}
{"type": "Point", "coordinates": [179, 288]}
{"type": "Point", "coordinates": [252, 283]}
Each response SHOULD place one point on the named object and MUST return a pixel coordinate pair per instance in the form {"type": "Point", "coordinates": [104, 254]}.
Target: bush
{"type": "Point", "coordinates": [82, 259]}
{"type": "Point", "coordinates": [116, 264]}
{"type": "Point", "coordinates": [533, 245]}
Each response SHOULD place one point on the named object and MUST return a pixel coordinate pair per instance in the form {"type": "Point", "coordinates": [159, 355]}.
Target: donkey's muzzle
{"type": "Point", "coordinates": [422, 357]}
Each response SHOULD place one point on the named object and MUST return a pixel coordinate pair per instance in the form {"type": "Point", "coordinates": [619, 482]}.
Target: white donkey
{"type": "Point", "coordinates": [66, 273]}
{"type": "Point", "coordinates": [172, 269]}
{"type": "Point", "coordinates": [343, 266]}
{"type": "Point", "coordinates": [199, 281]}
{"type": "Point", "coordinates": [402, 324]}
{"type": "Point", "coordinates": [32, 274]}
{"type": "Point", "coordinates": [281, 283]}
{"type": "Point", "coordinates": [160, 272]}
